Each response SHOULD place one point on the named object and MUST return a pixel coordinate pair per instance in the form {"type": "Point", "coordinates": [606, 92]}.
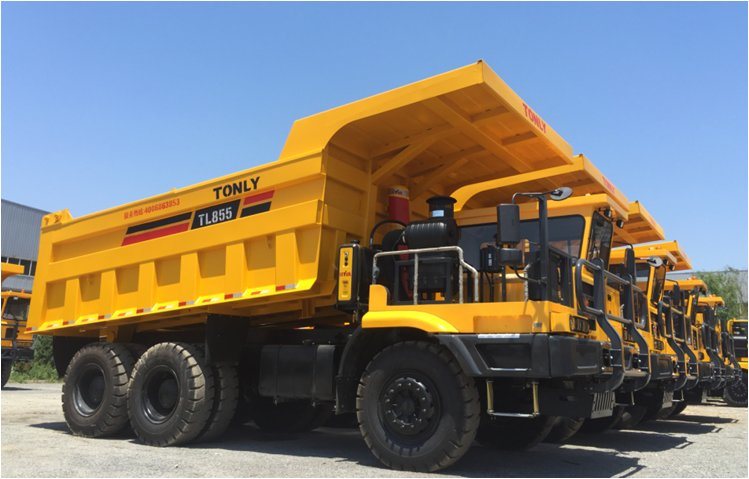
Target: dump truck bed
{"type": "Point", "coordinates": [261, 243]}
{"type": "Point", "coordinates": [669, 250]}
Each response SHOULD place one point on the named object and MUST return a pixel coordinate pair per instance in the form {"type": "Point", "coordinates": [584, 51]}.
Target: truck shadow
{"type": "Point", "coordinates": [706, 419]}
{"type": "Point", "coordinates": [346, 445]}
{"type": "Point", "coordinates": [613, 453]}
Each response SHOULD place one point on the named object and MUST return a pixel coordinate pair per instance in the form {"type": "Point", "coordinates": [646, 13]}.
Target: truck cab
{"type": "Point", "coordinates": [16, 342]}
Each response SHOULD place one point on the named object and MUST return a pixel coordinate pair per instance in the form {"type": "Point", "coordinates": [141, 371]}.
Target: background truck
{"type": "Point", "coordinates": [735, 393]}
{"type": "Point", "coordinates": [353, 274]}
{"type": "Point", "coordinates": [16, 342]}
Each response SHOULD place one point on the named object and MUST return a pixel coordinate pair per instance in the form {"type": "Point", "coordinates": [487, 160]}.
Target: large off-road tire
{"type": "Point", "coordinates": [225, 399]}
{"type": "Point", "coordinates": [7, 367]}
{"type": "Point", "coordinates": [602, 424]}
{"type": "Point", "coordinates": [170, 398]}
{"type": "Point", "coordinates": [94, 391]}
{"type": "Point", "coordinates": [632, 416]}
{"type": "Point", "coordinates": [678, 409]}
{"type": "Point", "coordinates": [514, 433]}
{"type": "Point", "coordinates": [735, 393]}
{"type": "Point", "coordinates": [563, 429]}
{"type": "Point", "coordinates": [289, 417]}
{"type": "Point", "coordinates": [417, 409]}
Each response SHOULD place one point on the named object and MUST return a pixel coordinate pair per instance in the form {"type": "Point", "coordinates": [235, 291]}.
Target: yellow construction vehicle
{"type": "Point", "coordinates": [16, 343]}
{"type": "Point", "coordinates": [671, 366]}
{"type": "Point", "coordinates": [378, 266]}
{"type": "Point", "coordinates": [735, 393]}
{"type": "Point", "coordinates": [639, 227]}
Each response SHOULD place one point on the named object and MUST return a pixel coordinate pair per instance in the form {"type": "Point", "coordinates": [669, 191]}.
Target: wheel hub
{"type": "Point", "coordinates": [408, 406]}
{"type": "Point", "coordinates": [160, 394]}
{"type": "Point", "coordinates": [89, 390]}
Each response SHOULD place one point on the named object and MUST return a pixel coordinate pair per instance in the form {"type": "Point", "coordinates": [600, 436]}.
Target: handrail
{"type": "Point", "coordinates": [439, 249]}
{"type": "Point", "coordinates": [601, 278]}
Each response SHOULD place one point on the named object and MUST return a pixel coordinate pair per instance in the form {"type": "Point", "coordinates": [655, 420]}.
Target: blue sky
{"type": "Point", "coordinates": [108, 103]}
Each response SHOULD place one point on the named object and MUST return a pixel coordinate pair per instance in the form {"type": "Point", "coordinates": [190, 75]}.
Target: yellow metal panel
{"type": "Point", "coordinates": [669, 251]}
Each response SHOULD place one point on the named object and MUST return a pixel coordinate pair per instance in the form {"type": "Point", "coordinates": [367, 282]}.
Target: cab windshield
{"type": "Point", "coordinates": [565, 234]}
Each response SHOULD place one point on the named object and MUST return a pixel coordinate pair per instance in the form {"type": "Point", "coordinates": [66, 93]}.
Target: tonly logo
{"type": "Point", "coordinates": [236, 188]}
{"type": "Point", "coordinates": [534, 118]}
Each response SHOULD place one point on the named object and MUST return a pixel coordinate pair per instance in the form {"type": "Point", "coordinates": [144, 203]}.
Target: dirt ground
{"type": "Point", "coordinates": [706, 441]}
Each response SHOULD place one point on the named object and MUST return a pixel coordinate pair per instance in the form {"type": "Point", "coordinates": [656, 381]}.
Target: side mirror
{"type": "Point", "coordinates": [561, 193]}
{"type": "Point", "coordinates": [655, 262]}
{"type": "Point", "coordinates": [629, 262]}
{"type": "Point", "coordinates": [508, 223]}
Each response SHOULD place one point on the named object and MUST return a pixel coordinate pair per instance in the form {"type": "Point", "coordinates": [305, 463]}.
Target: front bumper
{"type": "Point", "coordinates": [534, 356]}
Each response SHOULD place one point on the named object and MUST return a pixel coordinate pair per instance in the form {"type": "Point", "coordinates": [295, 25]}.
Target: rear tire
{"type": "Point", "coordinates": [94, 391]}
{"type": "Point", "coordinates": [417, 409]}
{"type": "Point", "coordinates": [7, 365]}
{"type": "Point", "coordinates": [225, 399]}
{"type": "Point", "coordinates": [170, 398]}
{"type": "Point", "coordinates": [563, 429]}
{"type": "Point", "coordinates": [602, 424]}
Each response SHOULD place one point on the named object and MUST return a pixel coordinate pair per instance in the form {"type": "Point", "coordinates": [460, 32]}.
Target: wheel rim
{"type": "Point", "coordinates": [160, 394]}
{"type": "Point", "coordinates": [409, 407]}
{"type": "Point", "coordinates": [89, 390]}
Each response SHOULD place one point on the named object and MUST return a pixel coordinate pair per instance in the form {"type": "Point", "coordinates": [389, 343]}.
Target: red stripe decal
{"type": "Point", "coordinates": [229, 296]}
{"type": "Point", "coordinates": [170, 230]}
{"type": "Point", "coordinates": [139, 310]}
{"type": "Point", "coordinates": [281, 287]}
{"type": "Point", "coordinates": [101, 316]}
{"type": "Point", "coordinates": [258, 197]}
{"type": "Point", "coordinates": [182, 303]}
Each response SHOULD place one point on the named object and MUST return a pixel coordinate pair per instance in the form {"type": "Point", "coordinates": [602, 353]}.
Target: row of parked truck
{"type": "Point", "coordinates": [434, 260]}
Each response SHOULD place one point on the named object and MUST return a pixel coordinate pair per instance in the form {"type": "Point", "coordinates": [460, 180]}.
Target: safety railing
{"type": "Point", "coordinates": [423, 251]}
{"type": "Point", "coordinates": [601, 279]}
{"type": "Point", "coordinates": [669, 315]}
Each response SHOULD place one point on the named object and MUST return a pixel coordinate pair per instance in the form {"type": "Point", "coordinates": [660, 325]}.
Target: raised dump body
{"type": "Point", "coordinates": [262, 242]}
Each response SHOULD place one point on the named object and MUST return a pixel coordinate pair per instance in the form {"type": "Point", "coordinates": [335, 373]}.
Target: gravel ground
{"type": "Point", "coordinates": [706, 441]}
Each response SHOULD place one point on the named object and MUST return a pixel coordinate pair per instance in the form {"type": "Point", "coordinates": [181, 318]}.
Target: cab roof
{"type": "Point", "coordinates": [435, 135]}
{"type": "Point", "coordinates": [687, 284]}
{"type": "Point", "coordinates": [711, 300]}
{"type": "Point", "coordinates": [640, 227]}
{"type": "Point", "coordinates": [9, 269]}
{"type": "Point", "coordinates": [669, 251]}
{"type": "Point", "coordinates": [584, 178]}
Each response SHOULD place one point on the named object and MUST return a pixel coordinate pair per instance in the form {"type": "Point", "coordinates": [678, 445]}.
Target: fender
{"type": "Point", "coordinates": [407, 319]}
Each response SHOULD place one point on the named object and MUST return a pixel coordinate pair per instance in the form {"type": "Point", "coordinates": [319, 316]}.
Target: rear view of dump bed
{"type": "Point", "coordinates": [262, 242]}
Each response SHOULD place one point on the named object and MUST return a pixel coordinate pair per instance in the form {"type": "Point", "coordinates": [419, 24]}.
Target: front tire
{"type": "Point", "coordinates": [170, 398]}
{"type": "Point", "coordinates": [417, 409]}
{"type": "Point", "coordinates": [563, 429]}
{"type": "Point", "coordinates": [7, 366]}
{"type": "Point", "coordinates": [602, 424]}
{"type": "Point", "coordinates": [678, 409]}
{"type": "Point", "coordinates": [94, 391]}
{"type": "Point", "coordinates": [632, 416]}
{"type": "Point", "coordinates": [514, 434]}
{"type": "Point", "coordinates": [735, 394]}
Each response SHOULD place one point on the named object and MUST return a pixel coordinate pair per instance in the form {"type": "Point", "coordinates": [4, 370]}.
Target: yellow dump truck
{"type": "Point", "coordinates": [735, 393]}
{"type": "Point", "coordinates": [16, 343]}
{"type": "Point", "coordinates": [377, 266]}
{"type": "Point", "coordinates": [662, 326]}
{"type": "Point", "coordinates": [638, 227]}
